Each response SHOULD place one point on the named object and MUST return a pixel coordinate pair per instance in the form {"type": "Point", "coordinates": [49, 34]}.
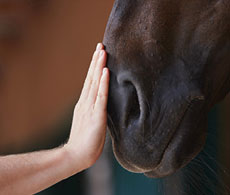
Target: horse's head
{"type": "Point", "coordinates": [169, 63]}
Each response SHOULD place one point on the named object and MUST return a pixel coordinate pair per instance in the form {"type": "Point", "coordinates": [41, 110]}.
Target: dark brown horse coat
{"type": "Point", "coordinates": [169, 63]}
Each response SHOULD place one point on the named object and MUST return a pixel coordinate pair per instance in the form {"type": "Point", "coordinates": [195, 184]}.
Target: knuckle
{"type": "Point", "coordinates": [101, 96]}
{"type": "Point", "coordinates": [96, 82]}
{"type": "Point", "coordinates": [95, 55]}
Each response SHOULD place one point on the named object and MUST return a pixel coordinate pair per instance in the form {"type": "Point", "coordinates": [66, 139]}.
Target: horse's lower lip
{"type": "Point", "coordinates": [154, 172]}
{"type": "Point", "coordinates": [174, 132]}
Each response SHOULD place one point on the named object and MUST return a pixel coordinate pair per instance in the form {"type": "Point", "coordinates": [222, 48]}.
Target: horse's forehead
{"type": "Point", "coordinates": [167, 7]}
{"type": "Point", "coordinates": [158, 19]}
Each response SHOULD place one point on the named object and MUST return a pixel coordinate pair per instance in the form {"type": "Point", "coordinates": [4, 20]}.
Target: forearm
{"type": "Point", "coordinates": [33, 172]}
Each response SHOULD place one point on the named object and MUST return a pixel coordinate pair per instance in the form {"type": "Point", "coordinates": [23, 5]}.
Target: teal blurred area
{"type": "Point", "coordinates": [136, 184]}
{"type": "Point", "coordinates": [201, 175]}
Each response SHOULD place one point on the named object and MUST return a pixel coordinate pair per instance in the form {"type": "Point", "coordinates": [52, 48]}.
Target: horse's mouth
{"type": "Point", "coordinates": [181, 148]}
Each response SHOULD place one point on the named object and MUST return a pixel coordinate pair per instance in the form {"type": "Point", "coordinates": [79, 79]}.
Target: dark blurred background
{"type": "Point", "coordinates": [45, 50]}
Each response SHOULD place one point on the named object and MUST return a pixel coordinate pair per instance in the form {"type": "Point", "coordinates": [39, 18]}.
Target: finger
{"type": "Point", "coordinates": [97, 76]}
{"type": "Point", "coordinates": [102, 96]}
{"type": "Point", "coordinates": [92, 66]}
{"type": "Point", "coordinates": [94, 60]}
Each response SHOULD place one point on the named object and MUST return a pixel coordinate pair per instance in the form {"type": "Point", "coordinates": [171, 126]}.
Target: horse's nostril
{"type": "Point", "coordinates": [132, 99]}
{"type": "Point", "coordinates": [132, 107]}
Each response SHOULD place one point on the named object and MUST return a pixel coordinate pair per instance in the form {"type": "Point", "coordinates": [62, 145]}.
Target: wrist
{"type": "Point", "coordinates": [73, 158]}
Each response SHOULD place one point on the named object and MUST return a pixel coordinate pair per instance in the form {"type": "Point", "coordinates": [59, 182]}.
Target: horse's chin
{"type": "Point", "coordinates": [165, 167]}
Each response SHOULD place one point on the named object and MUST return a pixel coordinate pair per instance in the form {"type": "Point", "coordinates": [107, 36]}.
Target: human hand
{"type": "Point", "coordinates": [88, 130]}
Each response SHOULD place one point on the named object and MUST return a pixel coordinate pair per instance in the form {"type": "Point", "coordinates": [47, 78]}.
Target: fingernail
{"type": "Point", "coordinates": [104, 70]}
{"type": "Point", "coordinates": [99, 46]}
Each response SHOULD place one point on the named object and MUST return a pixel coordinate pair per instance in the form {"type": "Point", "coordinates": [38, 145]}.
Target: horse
{"type": "Point", "coordinates": [170, 64]}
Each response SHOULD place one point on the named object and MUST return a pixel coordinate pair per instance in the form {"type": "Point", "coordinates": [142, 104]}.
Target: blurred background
{"type": "Point", "coordinates": [45, 50]}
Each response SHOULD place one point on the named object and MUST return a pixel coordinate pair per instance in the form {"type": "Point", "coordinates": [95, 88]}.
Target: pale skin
{"type": "Point", "coordinates": [30, 173]}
